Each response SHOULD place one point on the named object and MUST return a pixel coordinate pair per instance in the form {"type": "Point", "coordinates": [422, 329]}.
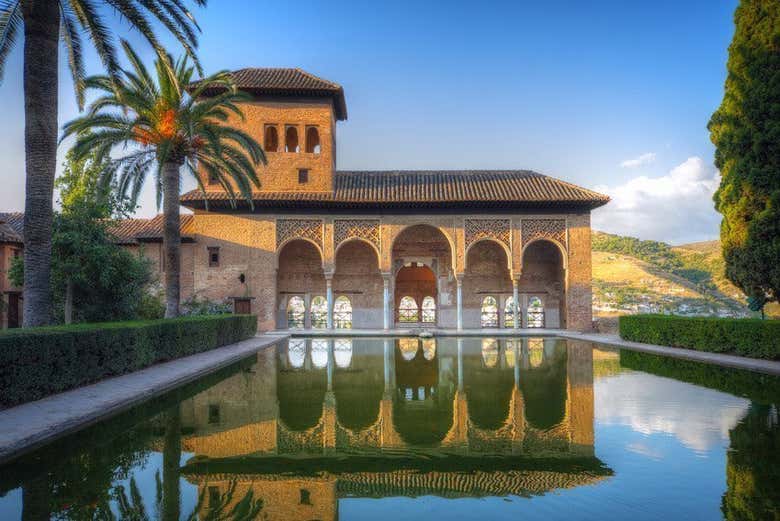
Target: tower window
{"type": "Point", "coordinates": [312, 140]}
{"type": "Point", "coordinates": [303, 176]}
{"type": "Point", "coordinates": [271, 143]}
{"type": "Point", "coordinates": [291, 140]}
{"type": "Point", "coordinates": [214, 413]}
{"type": "Point", "coordinates": [213, 178]}
{"type": "Point", "coordinates": [213, 256]}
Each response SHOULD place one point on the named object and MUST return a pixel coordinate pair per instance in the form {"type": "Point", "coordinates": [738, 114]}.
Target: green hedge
{"type": "Point", "coordinates": [741, 336]}
{"type": "Point", "coordinates": [37, 362]}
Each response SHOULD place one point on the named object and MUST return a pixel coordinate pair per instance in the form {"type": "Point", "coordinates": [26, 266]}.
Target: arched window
{"type": "Point", "coordinates": [407, 310]}
{"type": "Point", "coordinates": [296, 312]}
{"type": "Point", "coordinates": [509, 312]}
{"type": "Point", "coordinates": [312, 140]}
{"type": "Point", "coordinates": [535, 312]}
{"type": "Point", "coordinates": [489, 316]}
{"type": "Point", "coordinates": [296, 352]}
{"type": "Point", "coordinates": [319, 312]}
{"type": "Point", "coordinates": [429, 310]}
{"type": "Point", "coordinates": [291, 140]}
{"type": "Point", "coordinates": [408, 347]}
{"type": "Point", "coordinates": [271, 139]}
{"type": "Point", "coordinates": [342, 352]}
{"type": "Point", "coordinates": [319, 353]}
{"type": "Point", "coordinates": [490, 352]}
{"type": "Point", "coordinates": [342, 313]}
{"type": "Point", "coordinates": [429, 348]}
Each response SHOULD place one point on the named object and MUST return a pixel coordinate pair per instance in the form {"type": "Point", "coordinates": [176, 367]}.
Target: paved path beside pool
{"type": "Point", "coordinates": [737, 362]}
{"type": "Point", "coordinates": [32, 425]}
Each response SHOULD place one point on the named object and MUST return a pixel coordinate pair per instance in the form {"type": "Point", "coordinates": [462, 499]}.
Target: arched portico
{"type": "Point", "coordinates": [543, 284]}
{"type": "Point", "coordinates": [300, 276]}
{"type": "Point", "coordinates": [422, 260]}
{"type": "Point", "coordinates": [357, 278]}
{"type": "Point", "coordinates": [486, 275]}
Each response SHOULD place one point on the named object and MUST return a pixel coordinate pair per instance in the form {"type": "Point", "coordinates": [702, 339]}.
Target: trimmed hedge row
{"type": "Point", "coordinates": [741, 336]}
{"type": "Point", "coordinates": [38, 362]}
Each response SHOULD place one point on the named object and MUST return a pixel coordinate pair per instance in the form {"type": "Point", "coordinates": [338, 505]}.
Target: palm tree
{"type": "Point", "coordinates": [41, 23]}
{"type": "Point", "coordinates": [167, 129]}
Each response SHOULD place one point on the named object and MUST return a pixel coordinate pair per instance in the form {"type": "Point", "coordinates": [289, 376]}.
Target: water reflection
{"type": "Point", "coordinates": [304, 426]}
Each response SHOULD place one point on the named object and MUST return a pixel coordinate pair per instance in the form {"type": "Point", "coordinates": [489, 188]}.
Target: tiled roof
{"type": "Point", "coordinates": [289, 81]}
{"type": "Point", "coordinates": [126, 231]}
{"type": "Point", "coordinates": [14, 220]}
{"type": "Point", "coordinates": [8, 234]}
{"type": "Point", "coordinates": [132, 231]}
{"type": "Point", "coordinates": [462, 189]}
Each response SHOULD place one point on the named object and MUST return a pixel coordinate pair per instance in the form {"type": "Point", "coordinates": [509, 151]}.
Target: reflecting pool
{"type": "Point", "coordinates": [405, 428]}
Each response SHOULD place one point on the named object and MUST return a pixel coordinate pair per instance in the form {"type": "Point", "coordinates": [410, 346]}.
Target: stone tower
{"type": "Point", "coordinates": [293, 115]}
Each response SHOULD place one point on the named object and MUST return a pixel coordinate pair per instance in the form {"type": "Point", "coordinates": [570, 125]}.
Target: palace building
{"type": "Point", "coordinates": [326, 248]}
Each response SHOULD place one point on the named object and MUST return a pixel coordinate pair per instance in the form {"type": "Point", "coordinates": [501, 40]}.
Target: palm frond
{"type": "Point", "coordinates": [72, 39]}
{"type": "Point", "coordinates": [10, 27]}
{"type": "Point", "coordinates": [92, 22]}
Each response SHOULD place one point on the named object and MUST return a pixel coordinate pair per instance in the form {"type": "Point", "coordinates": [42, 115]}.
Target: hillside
{"type": "Point", "coordinates": [634, 276]}
{"type": "Point", "coordinates": [711, 252]}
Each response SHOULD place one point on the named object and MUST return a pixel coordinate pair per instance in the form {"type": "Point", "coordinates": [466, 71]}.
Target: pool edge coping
{"type": "Point", "coordinates": [757, 365]}
{"type": "Point", "coordinates": [65, 413]}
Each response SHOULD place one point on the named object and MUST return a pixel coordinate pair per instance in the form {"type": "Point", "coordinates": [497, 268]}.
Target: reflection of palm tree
{"type": "Point", "coordinates": [131, 507]}
{"type": "Point", "coordinates": [168, 493]}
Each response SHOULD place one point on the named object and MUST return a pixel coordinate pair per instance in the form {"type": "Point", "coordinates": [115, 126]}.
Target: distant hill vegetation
{"type": "Point", "coordinates": [635, 276]}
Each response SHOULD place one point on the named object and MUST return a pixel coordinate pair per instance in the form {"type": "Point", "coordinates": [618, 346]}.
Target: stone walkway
{"type": "Point", "coordinates": [736, 362]}
{"type": "Point", "coordinates": [31, 425]}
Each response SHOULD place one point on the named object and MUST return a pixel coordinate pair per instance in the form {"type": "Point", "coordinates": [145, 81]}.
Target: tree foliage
{"type": "Point", "coordinates": [746, 132]}
{"type": "Point", "coordinates": [107, 282]}
{"type": "Point", "coordinates": [80, 18]}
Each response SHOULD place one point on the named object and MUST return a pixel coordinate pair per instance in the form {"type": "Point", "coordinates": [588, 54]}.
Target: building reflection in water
{"type": "Point", "coordinates": [319, 419]}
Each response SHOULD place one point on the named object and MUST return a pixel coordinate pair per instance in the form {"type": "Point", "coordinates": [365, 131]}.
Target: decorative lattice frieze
{"type": "Point", "coordinates": [496, 229]}
{"type": "Point", "coordinates": [287, 229]}
{"type": "Point", "coordinates": [367, 229]}
{"type": "Point", "coordinates": [554, 229]}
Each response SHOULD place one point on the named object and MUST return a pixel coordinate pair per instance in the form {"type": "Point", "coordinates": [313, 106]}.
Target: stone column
{"type": "Point", "coordinates": [386, 302]}
{"type": "Point", "coordinates": [329, 297]}
{"type": "Point", "coordinates": [460, 364]}
{"type": "Point", "coordinates": [460, 303]}
{"type": "Point", "coordinates": [515, 303]}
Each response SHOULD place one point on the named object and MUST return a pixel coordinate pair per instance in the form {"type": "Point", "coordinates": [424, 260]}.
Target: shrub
{"type": "Point", "coordinates": [194, 306]}
{"type": "Point", "coordinates": [742, 336]}
{"type": "Point", "coordinates": [37, 362]}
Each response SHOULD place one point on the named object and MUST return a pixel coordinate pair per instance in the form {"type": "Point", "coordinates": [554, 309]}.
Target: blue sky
{"type": "Point", "coordinates": [611, 95]}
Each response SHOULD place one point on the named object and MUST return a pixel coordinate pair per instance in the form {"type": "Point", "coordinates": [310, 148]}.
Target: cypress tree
{"type": "Point", "coordinates": [746, 132]}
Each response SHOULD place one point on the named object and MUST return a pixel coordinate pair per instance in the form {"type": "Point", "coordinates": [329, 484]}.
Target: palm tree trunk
{"type": "Point", "coordinates": [171, 238]}
{"type": "Point", "coordinates": [41, 33]}
{"type": "Point", "coordinates": [69, 301]}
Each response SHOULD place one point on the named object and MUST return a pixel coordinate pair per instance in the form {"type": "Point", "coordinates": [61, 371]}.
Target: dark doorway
{"type": "Point", "coordinates": [13, 310]}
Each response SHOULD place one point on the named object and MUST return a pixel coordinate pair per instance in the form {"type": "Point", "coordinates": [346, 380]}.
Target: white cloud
{"type": "Point", "coordinates": [644, 159]}
{"type": "Point", "coordinates": [699, 418]}
{"type": "Point", "coordinates": [674, 208]}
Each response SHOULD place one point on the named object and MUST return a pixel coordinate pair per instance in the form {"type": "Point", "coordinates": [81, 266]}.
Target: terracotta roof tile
{"type": "Point", "coordinates": [289, 81]}
{"type": "Point", "coordinates": [8, 234]}
{"type": "Point", "coordinates": [15, 220]}
{"type": "Point", "coordinates": [126, 231]}
{"type": "Point", "coordinates": [132, 231]}
{"type": "Point", "coordinates": [430, 189]}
